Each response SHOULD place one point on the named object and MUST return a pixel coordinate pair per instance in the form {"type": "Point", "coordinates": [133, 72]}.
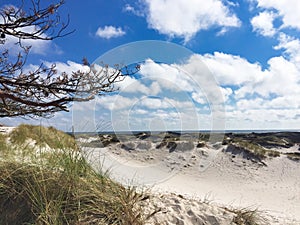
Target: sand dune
{"type": "Point", "coordinates": [182, 180]}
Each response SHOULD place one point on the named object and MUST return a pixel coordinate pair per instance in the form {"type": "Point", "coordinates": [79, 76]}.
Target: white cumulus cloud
{"type": "Point", "coordinates": [291, 46]}
{"type": "Point", "coordinates": [232, 69]}
{"type": "Point", "coordinates": [116, 102]}
{"type": "Point", "coordinates": [169, 77]}
{"type": "Point", "coordinates": [108, 32]}
{"type": "Point", "coordinates": [184, 19]}
{"type": "Point", "coordinates": [132, 85]}
{"type": "Point", "coordinates": [287, 9]}
{"type": "Point", "coordinates": [263, 23]}
{"type": "Point", "coordinates": [281, 78]}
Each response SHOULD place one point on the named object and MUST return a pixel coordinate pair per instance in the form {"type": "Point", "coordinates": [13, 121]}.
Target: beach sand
{"type": "Point", "coordinates": [206, 185]}
{"type": "Point", "coordinates": [5, 130]}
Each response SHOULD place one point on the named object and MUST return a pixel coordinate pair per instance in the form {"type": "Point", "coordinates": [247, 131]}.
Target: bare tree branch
{"type": "Point", "coordinates": [43, 91]}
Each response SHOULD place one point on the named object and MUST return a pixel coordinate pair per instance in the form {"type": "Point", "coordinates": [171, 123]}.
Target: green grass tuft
{"type": "Point", "coordinates": [42, 136]}
{"type": "Point", "coordinates": [247, 216]}
{"type": "Point", "coordinates": [3, 144]}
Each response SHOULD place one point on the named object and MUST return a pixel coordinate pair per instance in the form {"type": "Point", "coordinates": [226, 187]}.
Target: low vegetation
{"type": "Point", "coordinates": [295, 156]}
{"type": "Point", "coordinates": [42, 136]}
{"type": "Point", "coordinates": [58, 186]}
{"type": "Point", "coordinates": [3, 144]}
{"type": "Point", "coordinates": [263, 145]}
{"type": "Point", "coordinates": [256, 150]}
{"type": "Point", "coordinates": [247, 216]}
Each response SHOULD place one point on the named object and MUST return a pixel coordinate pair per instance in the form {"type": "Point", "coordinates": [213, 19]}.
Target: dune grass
{"type": "Point", "coordinates": [257, 150]}
{"type": "Point", "coordinates": [3, 144]}
{"type": "Point", "coordinates": [42, 136]}
{"type": "Point", "coordinates": [247, 216]}
{"type": "Point", "coordinates": [58, 186]}
{"type": "Point", "coordinates": [295, 156]}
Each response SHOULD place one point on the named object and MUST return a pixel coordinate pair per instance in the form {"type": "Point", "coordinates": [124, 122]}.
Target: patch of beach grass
{"type": "Point", "coordinates": [59, 186]}
{"type": "Point", "coordinates": [257, 150]}
{"type": "Point", "coordinates": [295, 156]}
{"type": "Point", "coordinates": [3, 143]}
{"type": "Point", "coordinates": [273, 153]}
{"type": "Point", "coordinates": [42, 136]}
{"type": "Point", "coordinates": [247, 216]}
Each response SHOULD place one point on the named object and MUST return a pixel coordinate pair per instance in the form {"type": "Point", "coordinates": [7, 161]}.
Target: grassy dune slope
{"type": "Point", "coordinates": [44, 179]}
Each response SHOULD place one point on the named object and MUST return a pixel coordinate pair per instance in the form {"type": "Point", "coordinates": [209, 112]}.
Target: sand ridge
{"type": "Point", "coordinates": [227, 181]}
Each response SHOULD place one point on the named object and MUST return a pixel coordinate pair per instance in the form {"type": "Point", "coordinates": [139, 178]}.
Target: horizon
{"type": "Point", "coordinates": [175, 131]}
{"type": "Point", "coordinates": [188, 131]}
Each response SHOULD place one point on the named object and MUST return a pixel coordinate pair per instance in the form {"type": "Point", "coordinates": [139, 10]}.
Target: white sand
{"type": "Point", "coordinates": [229, 182]}
{"type": "Point", "coordinates": [274, 189]}
{"type": "Point", "coordinates": [6, 130]}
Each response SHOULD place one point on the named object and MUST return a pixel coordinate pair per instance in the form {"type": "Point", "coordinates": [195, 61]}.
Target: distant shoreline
{"type": "Point", "coordinates": [191, 132]}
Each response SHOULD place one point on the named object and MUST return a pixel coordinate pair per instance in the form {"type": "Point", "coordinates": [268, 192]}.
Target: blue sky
{"type": "Point", "coordinates": [251, 48]}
